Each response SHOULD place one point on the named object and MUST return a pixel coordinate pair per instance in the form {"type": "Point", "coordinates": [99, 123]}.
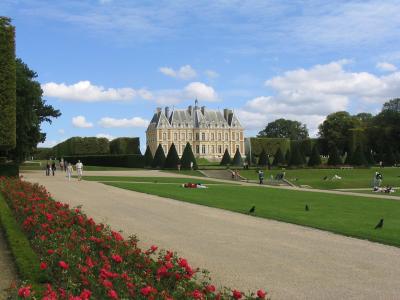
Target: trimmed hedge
{"type": "Point", "coordinates": [188, 157]}
{"type": "Point", "coordinates": [226, 159]}
{"type": "Point", "coordinates": [26, 260]}
{"type": "Point", "coordinates": [172, 159]}
{"type": "Point", "coordinates": [237, 159]}
{"type": "Point", "coordinates": [125, 145]}
{"type": "Point", "coordinates": [270, 145]}
{"type": "Point", "coordinates": [127, 160]}
{"type": "Point", "coordinates": [9, 170]}
{"type": "Point", "coordinates": [82, 146]}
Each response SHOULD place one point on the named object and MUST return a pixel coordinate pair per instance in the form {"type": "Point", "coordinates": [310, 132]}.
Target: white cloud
{"type": "Point", "coordinates": [108, 122]}
{"type": "Point", "coordinates": [87, 92]}
{"type": "Point", "coordinates": [61, 131]}
{"type": "Point", "coordinates": [308, 95]}
{"type": "Point", "coordinates": [80, 122]}
{"type": "Point", "coordinates": [105, 135]}
{"type": "Point", "coordinates": [200, 91]}
{"type": "Point", "coordinates": [185, 72]}
{"type": "Point", "coordinates": [385, 66]}
{"type": "Point", "coordinates": [211, 74]}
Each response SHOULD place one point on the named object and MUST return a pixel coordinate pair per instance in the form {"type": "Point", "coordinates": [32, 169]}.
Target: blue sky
{"type": "Point", "coordinates": [107, 64]}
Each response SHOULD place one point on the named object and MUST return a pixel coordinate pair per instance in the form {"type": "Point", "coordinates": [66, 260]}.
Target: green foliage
{"type": "Point", "coordinates": [32, 110]}
{"type": "Point", "coordinates": [159, 158]}
{"type": "Point", "coordinates": [392, 105]}
{"type": "Point", "coordinates": [82, 146]}
{"type": "Point", "coordinates": [288, 155]}
{"type": "Point", "coordinates": [226, 159]}
{"type": "Point", "coordinates": [124, 160]}
{"type": "Point", "coordinates": [358, 157]}
{"type": "Point", "coordinates": [278, 158]}
{"type": "Point", "coordinates": [7, 85]}
{"type": "Point", "coordinates": [270, 145]}
{"type": "Point", "coordinates": [334, 157]}
{"type": "Point", "coordinates": [315, 158]}
{"type": "Point", "coordinates": [25, 258]}
{"type": "Point", "coordinates": [172, 159]}
{"type": "Point", "coordinates": [389, 158]}
{"type": "Point", "coordinates": [296, 157]}
{"type": "Point", "coordinates": [43, 153]}
{"type": "Point", "coordinates": [369, 157]}
{"type": "Point", "coordinates": [263, 159]}
{"type": "Point", "coordinates": [188, 157]}
{"type": "Point", "coordinates": [349, 158]}
{"type": "Point", "coordinates": [9, 169]}
{"type": "Point", "coordinates": [282, 128]}
{"type": "Point", "coordinates": [125, 145]}
{"type": "Point", "coordinates": [237, 159]}
{"type": "Point", "coordinates": [357, 138]}
{"type": "Point", "coordinates": [305, 146]}
{"type": "Point", "coordinates": [148, 157]}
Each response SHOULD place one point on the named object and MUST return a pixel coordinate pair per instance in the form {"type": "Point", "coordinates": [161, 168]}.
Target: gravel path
{"type": "Point", "coordinates": [290, 261]}
{"type": "Point", "coordinates": [7, 268]}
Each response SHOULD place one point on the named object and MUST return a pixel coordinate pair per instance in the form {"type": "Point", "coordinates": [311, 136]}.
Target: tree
{"type": "Point", "coordinates": [226, 159]}
{"type": "Point", "coordinates": [148, 157]}
{"type": "Point", "coordinates": [172, 159]}
{"type": "Point", "coordinates": [278, 158]}
{"type": "Point", "coordinates": [32, 110]}
{"type": "Point", "coordinates": [263, 158]}
{"type": "Point", "coordinates": [282, 128]}
{"type": "Point", "coordinates": [188, 157]}
{"type": "Point", "coordinates": [336, 129]}
{"type": "Point", "coordinates": [389, 158]}
{"type": "Point", "coordinates": [392, 105]}
{"type": "Point", "coordinates": [287, 156]}
{"type": "Point", "coordinates": [334, 157]}
{"type": "Point", "coordinates": [237, 159]}
{"type": "Point", "coordinates": [315, 158]}
{"type": "Point", "coordinates": [296, 158]}
{"type": "Point", "coordinates": [7, 85]}
{"type": "Point", "coordinates": [349, 158]}
{"type": "Point", "coordinates": [358, 157]}
{"type": "Point", "coordinates": [159, 158]}
{"type": "Point", "coordinates": [369, 157]}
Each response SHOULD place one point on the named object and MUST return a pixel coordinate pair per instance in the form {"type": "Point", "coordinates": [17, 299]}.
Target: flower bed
{"type": "Point", "coordinates": [86, 260]}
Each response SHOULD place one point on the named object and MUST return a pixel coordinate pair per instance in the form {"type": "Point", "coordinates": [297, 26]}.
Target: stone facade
{"type": "Point", "coordinates": [209, 132]}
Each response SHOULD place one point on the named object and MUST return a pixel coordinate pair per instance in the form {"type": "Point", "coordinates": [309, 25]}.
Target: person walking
{"type": "Point", "coordinates": [47, 168]}
{"type": "Point", "coordinates": [261, 176]}
{"type": "Point", "coordinates": [69, 169]}
{"type": "Point", "coordinates": [79, 169]}
{"type": "Point", "coordinates": [53, 168]}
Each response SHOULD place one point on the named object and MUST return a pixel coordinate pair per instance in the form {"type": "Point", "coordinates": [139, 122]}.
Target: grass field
{"type": "Point", "coordinates": [351, 178]}
{"type": "Point", "coordinates": [185, 172]}
{"type": "Point", "coordinates": [149, 179]}
{"type": "Point", "coordinates": [41, 165]}
{"type": "Point", "coordinates": [347, 215]}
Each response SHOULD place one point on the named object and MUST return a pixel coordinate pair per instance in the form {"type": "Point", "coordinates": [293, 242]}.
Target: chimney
{"type": "Point", "coordinates": [226, 112]}
{"type": "Point", "coordinates": [167, 112]}
{"type": "Point", "coordinates": [203, 108]}
{"type": "Point", "coordinates": [158, 110]}
{"type": "Point", "coordinates": [190, 108]}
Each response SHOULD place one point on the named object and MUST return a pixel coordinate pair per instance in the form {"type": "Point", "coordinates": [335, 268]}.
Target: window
{"type": "Point", "coordinates": [197, 136]}
{"type": "Point", "coordinates": [226, 136]}
{"type": "Point", "coordinates": [203, 136]}
{"type": "Point", "coordinates": [219, 136]}
{"type": "Point", "coordinates": [203, 149]}
{"type": "Point", "coordinates": [164, 136]}
{"type": "Point", "coordinates": [212, 149]}
{"type": "Point", "coordinates": [190, 136]}
{"type": "Point", "coordinates": [212, 136]}
{"type": "Point", "coordinates": [197, 149]}
{"type": "Point", "coordinates": [175, 136]}
{"type": "Point", "coordinates": [219, 149]}
{"type": "Point", "coordinates": [182, 136]}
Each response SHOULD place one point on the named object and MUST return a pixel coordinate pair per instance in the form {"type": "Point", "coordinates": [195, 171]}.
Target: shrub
{"type": "Point", "coordinates": [188, 157]}
{"type": "Point", "coordinates": [315, 158]}
{"type": "Point", "coordinates": [296, 158]}
{"type": "Point", "coordinates": [125, 161]}
{"type": "Point", "coordinates": [82, 146]}
{"type": "Point", "coordinates": [369, 157]}
{"type": "Point", "coordinates": [148, 157]}
{"type": "Point", "coordinates": [278, 158]}
{"type": "Point", "coordinates": [270, 145]}
{"type": "Point", "coordinates": [358, 157]}
{"type": "Point", "coordinates": [287, 156]}
{"type": "Point", "coordinates": [172, 159]}
{"type": "Point", "coordinates": [9, 169]}
{"type": "Point", "coordinates": [334, 157]}
{"type": "Point", "coordinates": [226, 159]}
{"type": "Point", "coordinates": [125, 145]}
{"type": "Point", "coordinates": [159, 158]}
{"type": "Point", "coordinates": [237, 159]}
{"type": "Point", "coordinates": [263, 159]}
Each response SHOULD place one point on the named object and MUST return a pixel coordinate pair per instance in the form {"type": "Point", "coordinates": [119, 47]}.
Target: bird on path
{"type": "Point", "coordinates": [379, 225]}
{"type": "Point", "coordinates": [307, 208]}
{"type": "Point", "coordinates": [252, 210]}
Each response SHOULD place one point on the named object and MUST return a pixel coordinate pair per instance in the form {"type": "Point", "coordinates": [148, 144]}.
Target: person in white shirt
{"type": "Point", "coordinates": [69, 169]}
{"type": "Point", "coordinates": [79, 169]}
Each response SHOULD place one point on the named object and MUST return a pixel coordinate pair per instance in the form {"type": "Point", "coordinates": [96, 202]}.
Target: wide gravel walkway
{"type": "Point", "coordinates": [290, 261]}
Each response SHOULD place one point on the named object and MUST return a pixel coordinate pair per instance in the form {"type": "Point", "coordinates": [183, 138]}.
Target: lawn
{"type": "Point", "coordinates": [347, 215]}
{"type": "Point", "coordinates": [149, 179]}
{"type": "Point", "coordinates": [186, 172]}
{"type": "Point", "coordinates": [351, 178]}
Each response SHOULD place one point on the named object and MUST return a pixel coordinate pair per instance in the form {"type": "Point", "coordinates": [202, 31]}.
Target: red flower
{"type": "Point", "coordinates": [50, 251]}
{"type": "Point", "coordinates": [261, 294]}
{"type": "Point", "coordinates": [25, 291]}
{"type": "Point", "coordinates": [43, 266]}
{"type": "Point", "coordinates": [112, 294]}
{"type": "Point", "coordinates": [183, 263]}
{"type": "Point", "coordinates": [210, 288]}
{"type": "Point", "coordinates": [117, 258]}
{"type": "Point", "coordinates": [107, 283]}
{"type": "Point", "coordinates": [153, 248]}
{"type": "Point", "coordinates": [85, 295]}
{"type": "Point", "coordinates": [63, 265]}
{"type": "Point", "coordinates": [147, 290]}
{"type": "Point", "coordinates": [236, 294]}
{"type": "Point", "coordinates": [197, 294]}
{"type": "Point", "coordinates": [117, 236]}
{"type": "Point", "coordinates": [49, 217]}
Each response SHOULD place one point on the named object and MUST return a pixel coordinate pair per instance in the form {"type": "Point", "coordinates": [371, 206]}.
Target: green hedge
{"type": "Point", "coordinates": [270, 145]}
{"type": "Point", "coordinates": [82, 146]}
{"type": "Point", "coordinates": [26, 260]}
{"type": "Point", "coordinates": [43, 153]}
{"type": "Point", "coordinates": [9, 170]}
{"type": "Point", "coordinates": [127, 161]}
{"type": "Point", "coordinates": [125, 145]}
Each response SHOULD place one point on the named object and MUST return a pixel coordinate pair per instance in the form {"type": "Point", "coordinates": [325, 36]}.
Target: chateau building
{"type": "Point", "coordinates": [209, 132]}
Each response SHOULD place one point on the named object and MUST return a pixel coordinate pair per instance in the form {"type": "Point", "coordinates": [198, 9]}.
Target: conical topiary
{"type": "Point", "coordinates": [358, 158]}
{"type": "Point", "coordinates": [315, 158]}
{"type": "Point", "coordinates": [172, 159]}
{"type": "Point", "coordinates": [226, 159]}
{"type": "Point", "coordinates": [334, 157]}
{"type": "Point", "coordinates": [296, 159]}
{"type": "Point", "coordinates": [188, 157]}
{"type": "Point", "coordinates": [278, 158]}
{"type": "Point", "coordinates": [148, 157]}
{"type": "Point", "coordinates": [263, 159]}
{"type": "Point", "coordinates": [237, 159]}
{"type": "Point", "coordinates": [159, 158]}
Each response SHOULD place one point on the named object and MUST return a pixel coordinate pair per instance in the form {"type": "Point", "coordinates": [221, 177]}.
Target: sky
{"type": "Point", "coordinates": [108, 64]}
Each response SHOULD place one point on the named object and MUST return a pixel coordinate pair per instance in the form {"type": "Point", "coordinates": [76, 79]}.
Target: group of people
{"type": "Point", "coordinates": [65, 166]}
